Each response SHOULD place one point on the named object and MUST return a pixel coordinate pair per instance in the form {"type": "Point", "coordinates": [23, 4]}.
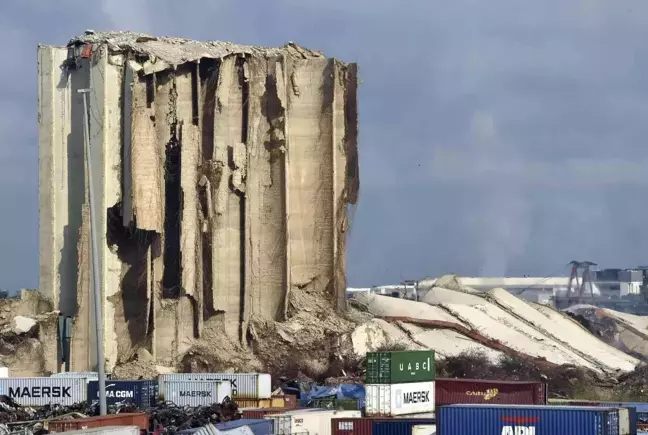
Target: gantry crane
{"type": "Point", "coordinates": [585, 279]}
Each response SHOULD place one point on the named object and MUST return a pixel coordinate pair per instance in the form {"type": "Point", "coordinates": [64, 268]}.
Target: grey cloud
{"type": "Point", "coordinates": [496, 137]}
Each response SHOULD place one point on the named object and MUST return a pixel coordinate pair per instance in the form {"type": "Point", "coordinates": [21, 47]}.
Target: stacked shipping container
{"type": "Point", "coordinates": [453, 391]}
{"type": "Point", "coordinates": [531, 420]}
{"type": "Point", "coordinates": [244, 385]}
{"type": "Point", "coordinates": [399, 383]}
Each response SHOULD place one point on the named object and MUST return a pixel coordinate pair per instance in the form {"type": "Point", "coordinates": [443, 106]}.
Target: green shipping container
{"type": "Point", "coordinates": [400, 367]}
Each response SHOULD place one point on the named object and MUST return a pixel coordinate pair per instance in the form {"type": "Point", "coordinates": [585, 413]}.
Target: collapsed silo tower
{"type": "Point", "coordinates": [223, 174]}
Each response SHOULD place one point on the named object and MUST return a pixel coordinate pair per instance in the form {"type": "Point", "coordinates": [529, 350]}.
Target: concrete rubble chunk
{"type": "Point", "coordinates": [23, 325]}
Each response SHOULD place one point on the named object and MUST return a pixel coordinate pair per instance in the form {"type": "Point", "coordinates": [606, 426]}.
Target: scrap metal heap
{"type": "Point", "coordinates": [224, 174]}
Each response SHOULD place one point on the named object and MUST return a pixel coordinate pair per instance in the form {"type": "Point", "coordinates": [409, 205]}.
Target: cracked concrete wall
{"type": "Point", "coordinates": [228, 193]}
{"type": "Point", "coordinates": [61, 177]}
{"type": "Point", "coordinates": [223, 183]}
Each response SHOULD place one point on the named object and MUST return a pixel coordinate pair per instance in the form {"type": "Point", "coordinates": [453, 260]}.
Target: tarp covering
{"type": "Point", "coordinates": [342, 391]}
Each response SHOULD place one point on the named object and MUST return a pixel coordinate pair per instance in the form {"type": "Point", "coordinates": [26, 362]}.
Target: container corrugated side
{"type": "Point", "coordinates": [255, 413]}
{"type": "Point", "coordinates": [108, 430]}
{"type": "Point", "coordinates": [526, 420]}
{"type": "Point", "coordinates": [281, 401]}
{"type": "Point", "coordinates": [400, 367]}
{"type": "Point", "coordinates": [451, 391]}
{"type": "Point", "coordinates": [424, 429]}
{"type": "Point", "coordinates": [396, 426]}
{"type": "Point", "coordinates": [636, 409]}
{"type": "Point", "coordinates": [44, 391]}
{"type": "Point", "coordinates": [140, 392]}
{"type": "Point", "coordinates": [399, 399]}
{"type": "Point", "coordinates": [256, 426]}
{"type": "Point", "coordinates": [318, 422]}
{"type": "Point", "coordinates": [138, 419]}
{"type": "Point", "coordinates": [196, 393]}
{"type": "Point", "coordinates": [75, 375]}
{"type": "Point", "coordinates": [244, 385]}
{"type": "Point", "coordinates": [364, 426]}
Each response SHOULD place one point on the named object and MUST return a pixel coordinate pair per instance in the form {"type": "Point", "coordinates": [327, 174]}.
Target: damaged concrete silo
{"type": "Point", "coordinates": [223, 174]}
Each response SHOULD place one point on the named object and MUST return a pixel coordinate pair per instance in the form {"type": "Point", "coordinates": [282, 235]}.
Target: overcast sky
{"type": "Point", "coordinates": [496, 137]}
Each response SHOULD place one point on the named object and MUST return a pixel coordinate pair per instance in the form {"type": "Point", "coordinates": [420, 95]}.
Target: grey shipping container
{"type": "Point", "coordinates": [244, 385]}
{"type": "Point", "coordinates": [107, 430]}
{"type": "Point", "coordinates": [196, 393]}
{"type": "Point", "coordinates": [44, 391]}
{"type": "Point", "coordinates": [87, 375]}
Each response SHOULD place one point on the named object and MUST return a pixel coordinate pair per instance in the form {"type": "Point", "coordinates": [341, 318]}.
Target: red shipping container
{"type": "Point", "coordinates": [139, 419]}
{"type": "Point", "coordinates": [290, 401]}
{"type": "Point", "coordinates": [351, 426]}
{"type": "Point", "coordinates": [473, 391]}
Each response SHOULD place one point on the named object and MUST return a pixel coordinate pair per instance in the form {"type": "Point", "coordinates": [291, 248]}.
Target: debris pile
{"type": "Point", "coordinates": [174, 418]}
{"type": "Point", "coordinates": [166, 417]}
{"type": "Point", "coordinates": [626, 332]}
{"type": "Point", "coordinates": [28, 334]}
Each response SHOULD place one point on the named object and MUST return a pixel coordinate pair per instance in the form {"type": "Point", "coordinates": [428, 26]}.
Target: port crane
{"type": "Point", "coordinates": [586, 278]}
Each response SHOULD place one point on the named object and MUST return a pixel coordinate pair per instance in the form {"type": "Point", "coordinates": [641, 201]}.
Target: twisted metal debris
{"type": "Point", "coordinates": [166, 418]}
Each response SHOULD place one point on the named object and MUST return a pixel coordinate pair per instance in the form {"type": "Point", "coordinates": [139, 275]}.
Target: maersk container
{"type": "Point", "coordinates": [44, 391]}
{"type": "Point", "coordinates": [466, 391]}
{"type": "Point", "coordinates": [196, 393]}
{"type": "Point", "coordinates": [400, 367]}
{"type": "Point", "coordinates": [244, 385]}
{"type": "Point", "coordinates": [531, 420]}
{"type": "Point", "coordinates": [316, 422]}
{"type": "Point", "coordinates": [424, 429]}
{"type": "Point", "coordinates": [140, 392]}
{"type": "Point", "coordinates": [399, 399]}
{"type": "Point", "coordinates": [365, 426]}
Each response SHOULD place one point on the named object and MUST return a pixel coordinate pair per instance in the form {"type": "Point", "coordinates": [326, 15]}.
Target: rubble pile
{"type": "Point", "coordinates": [626, 332]}
{"type": "Point", "coordinates": [173, 418]}
{"type": "Point", "coordinates": [28, 334]}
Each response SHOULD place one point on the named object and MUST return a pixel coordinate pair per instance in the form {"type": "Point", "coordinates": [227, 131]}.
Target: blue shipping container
{"type": "Point", "coordinates": [526, 420]}
{"type": "Point", "coordinates": [398, 426]}
{"type": "Point", "coordinates": [257, 426]}
{"type": "Point", "coordinates": [142, 393]}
